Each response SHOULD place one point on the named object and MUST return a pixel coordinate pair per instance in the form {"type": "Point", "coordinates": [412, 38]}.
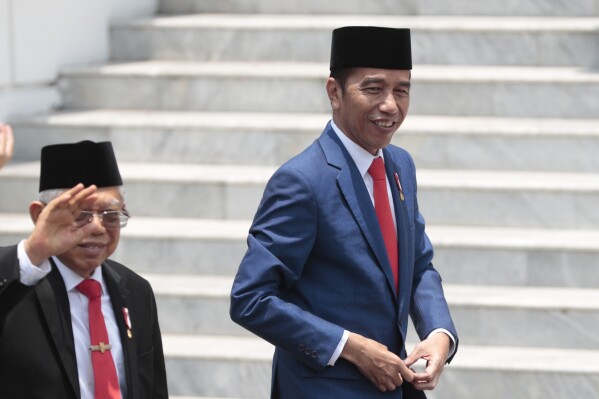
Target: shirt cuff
{"type": "Point", "coordinates": [31, 274]}
{"type": "Point", "coordinates": [339, 348]}
{"type": "Point", "coordinates": [451, 337]}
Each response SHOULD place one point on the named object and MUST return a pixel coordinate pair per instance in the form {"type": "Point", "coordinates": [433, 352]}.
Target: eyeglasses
{"type": "Point", "coordinates": [109, 219]}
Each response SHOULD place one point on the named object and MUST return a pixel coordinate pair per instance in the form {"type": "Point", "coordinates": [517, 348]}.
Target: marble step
{"type": "Point", "coordinates": [464, 255]}
{"type": "Point", "coordinates": [483, 198]}
{"type": "Point", "coordinates": [218, 366]}
{"type": "Point", "coordinates": [537, 316]}
{"type": "Point", "coordinates": [435, 142]}
{"type": "Point", "coordinates": [207, 365]}
{"type": "Point", "coordinates": [503, 372]}
{"type": "Point", "coordinates": [557, 8]}
{"type": "Point", "coordinates": [527, 92]}
{"type": "Point", "coordinates": [533, 41]}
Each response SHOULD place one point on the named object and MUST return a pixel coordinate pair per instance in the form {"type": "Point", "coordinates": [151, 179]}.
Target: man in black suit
{"type": "Point", "coordinates": [45, 345]}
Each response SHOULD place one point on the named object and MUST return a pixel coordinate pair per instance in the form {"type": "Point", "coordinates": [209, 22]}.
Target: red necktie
{"type": "Point", "coordinates": [106, 383]}
{"type": "Point", "coordinates": [383, 214]}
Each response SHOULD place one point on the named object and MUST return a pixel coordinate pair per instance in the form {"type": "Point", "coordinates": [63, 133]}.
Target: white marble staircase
{"type": "Point", "coordinates": [204, 101]}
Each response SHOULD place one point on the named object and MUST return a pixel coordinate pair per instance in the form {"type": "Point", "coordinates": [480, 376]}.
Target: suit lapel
{"type": "Point", "coordinates": [352, 187]}
{"type": "Point", "coordinates": [401, 217]}
{"type": "Point", "coordinates": [54, 302]}
{"type": "Point", "coordinates": [118, 296]}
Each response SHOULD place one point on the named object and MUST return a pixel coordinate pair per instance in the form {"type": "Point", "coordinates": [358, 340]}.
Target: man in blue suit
{"type": "Point", "coordinates": [328, 277]}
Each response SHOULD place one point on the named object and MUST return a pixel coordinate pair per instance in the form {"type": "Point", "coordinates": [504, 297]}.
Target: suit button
{"type": "Point", "coordinates": [308, 351]}
{"type": "Point", "coordinates": [301, 347]}
{"type": "Point", "coordinates": [314, 355]}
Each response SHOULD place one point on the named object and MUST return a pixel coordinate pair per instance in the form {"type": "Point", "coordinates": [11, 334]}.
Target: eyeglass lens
{"type": "Point", "coordinates": [108, 218]}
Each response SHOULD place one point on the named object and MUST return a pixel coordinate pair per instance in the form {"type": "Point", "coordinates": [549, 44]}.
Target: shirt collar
{"type": "Point", "coordinates": [362, 158]}
{"type": "Point", "coordinates": [72, 279]}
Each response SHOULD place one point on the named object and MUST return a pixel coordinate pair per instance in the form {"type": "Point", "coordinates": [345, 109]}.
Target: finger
{"type": "Point", "coordinates": [422, 377]}
{"type": "Point", "coordinates": [426, 380]}
{"type": "Point", "coordinates": [10, 141]}
{"type": "Point", "coordinates": [63, 200]}
{"type": "Point", "coordinates": [405, 372]}
{"type": "Point", "coordinates": [3, 145]}
{"type": "Point", "coordinates": [82, 196]}
{"type": "Point", "coordinates": [73, 197]}
{"type": "Point", "coordinates": [397, 380]}
{"type": "Point", "coordinates": [389, 386]}
{"type": "Point", "coordinates": [424, 384]}
{"type": "Point", "coordinates": [3, 137]}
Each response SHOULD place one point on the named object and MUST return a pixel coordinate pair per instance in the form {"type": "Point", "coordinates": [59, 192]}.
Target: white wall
{"type": "Point", "coordinates": [39, 37]}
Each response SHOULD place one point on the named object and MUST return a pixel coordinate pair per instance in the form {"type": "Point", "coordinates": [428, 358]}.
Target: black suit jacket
{"type": "Point", "coordinates": [37, 354]}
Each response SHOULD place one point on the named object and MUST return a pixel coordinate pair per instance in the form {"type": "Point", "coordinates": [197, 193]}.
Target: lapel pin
{"type": "Point", "coordinates": [127, 322]}
{"type": "Point", "coordinates": [401, 197]}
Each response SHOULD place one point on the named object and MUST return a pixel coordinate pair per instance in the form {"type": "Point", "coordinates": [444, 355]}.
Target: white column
{"type": "Point", "coordinates": [38, 38]}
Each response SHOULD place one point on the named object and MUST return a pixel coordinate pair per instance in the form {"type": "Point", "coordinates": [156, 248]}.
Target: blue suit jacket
{"type": "Point", "coordinates": [316, 265]}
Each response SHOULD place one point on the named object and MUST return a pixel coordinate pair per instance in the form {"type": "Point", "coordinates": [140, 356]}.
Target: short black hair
{"type": "Point", "coordinates": [340, 75]}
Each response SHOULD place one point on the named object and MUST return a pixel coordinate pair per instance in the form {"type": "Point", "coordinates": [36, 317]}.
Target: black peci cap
{"type": "Point", "coordinates": [66, 165]}
{"type": "Point", "coordinates": [371, 47]}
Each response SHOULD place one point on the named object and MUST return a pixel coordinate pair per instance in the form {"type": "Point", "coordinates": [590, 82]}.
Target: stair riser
{"type": "Point", "coordinates": [468, 383]}
{"type": "Point", "coordinates": [506, 99]}
{"type": "Point", "coordinates": [509, 208]}
{"type": "Point", "coordinates": [200, 93]}
{"type": "Point", "coordinates": [501, 152]}
{"type": "Point", "coordinates": [517, 267]}
{"type": "Point", "coordinates": [186, 199]}
{"type": "Point", "coordinates": [477, 325]}
{"type": "Point", "coordinates": [219, 378]}
{"type": "Point", "coordinates": [252, 380]}
{"type": "Point", "coordinates": [196, 315]}
{"type": "Point", "coordinates": [232, 146]}
{"type": "Point", "coordinates": [457, 205]}
{"type": "Point", "coordinates": [267, 94]}
{"type": "Point", "coordinates": [557, 8]}
{"type": "Point", "coordinates": [207, 145]}
{"type": "Point", "coordinates": [167, 255]}
{"type": "Point", "coordinates": [449, 47]}
{"type": "Point", "coordinates": [540, 328]}
{"type": "Point", "coordinates": [457, 264]}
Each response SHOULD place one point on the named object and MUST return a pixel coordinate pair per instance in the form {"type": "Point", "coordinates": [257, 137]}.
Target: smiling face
{"type": "Point", "coordinates": [102, 243]}
{"type": "Point", "coordinates": [371, 106]}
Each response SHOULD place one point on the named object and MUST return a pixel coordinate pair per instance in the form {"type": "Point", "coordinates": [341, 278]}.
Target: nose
{"type": "Point", "coordinates": [389, 104]}
{"type": "Point", "coordinates": [96, 220]}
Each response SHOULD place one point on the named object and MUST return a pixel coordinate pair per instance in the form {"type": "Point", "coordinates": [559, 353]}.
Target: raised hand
{"type": "Point", "coordinates": [55, 230]}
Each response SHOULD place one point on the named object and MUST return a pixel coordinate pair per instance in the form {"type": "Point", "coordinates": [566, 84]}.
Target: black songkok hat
{"type": "Point", "coordinates": [66, 165]}
{"type": "Point", "coordinates": [371, 47]}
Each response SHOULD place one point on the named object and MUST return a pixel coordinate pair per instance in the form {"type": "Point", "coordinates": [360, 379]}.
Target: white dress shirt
{"type": "Point", "coordinates": [31, 275]}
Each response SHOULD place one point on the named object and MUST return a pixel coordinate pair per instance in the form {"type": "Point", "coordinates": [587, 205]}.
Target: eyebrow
{"type": "Point", "coordinates": [113, 202]}
{"type": "Point", "coordinates": [369, 81]}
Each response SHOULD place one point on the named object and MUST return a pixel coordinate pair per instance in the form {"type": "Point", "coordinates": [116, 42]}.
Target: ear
{"type": "Point", "coordinates": [334, 92]}
{"type": "Point", "coordinates": [35, 208]}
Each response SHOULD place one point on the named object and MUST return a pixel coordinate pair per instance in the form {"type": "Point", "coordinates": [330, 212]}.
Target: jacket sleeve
{"type": "Point", "coordinates": [279, 245]}
{"type": "Point", "coordinates": [11, 289]}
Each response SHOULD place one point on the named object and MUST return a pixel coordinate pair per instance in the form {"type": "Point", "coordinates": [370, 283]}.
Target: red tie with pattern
{"type": "Point", "coordinates": [106, 383]}
{"type": "Point", "coordinates": [383, 214]}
